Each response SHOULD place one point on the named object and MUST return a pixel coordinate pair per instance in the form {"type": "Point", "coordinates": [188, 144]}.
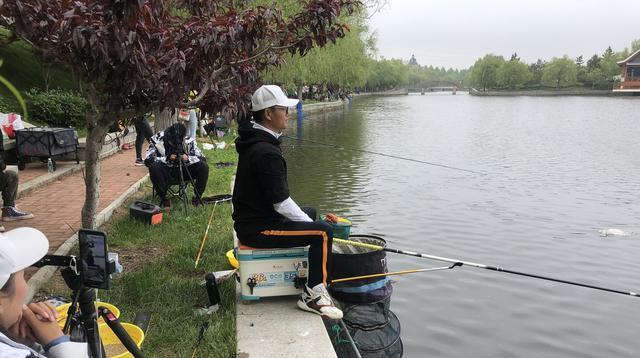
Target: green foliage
{"type": "Point", "coordinates": [513, 74]}
{"type": "Point", "coordinates": [428, 76]}
{"type": "Point", "coordinates": [560, 72]}
{"type": "Point", "coordinates": [536, 70]}
{"type": "Point", "coordinates": [57, 108]}
{"type": "Point", "coordinates": [599, 71]}
{"type": "Point", "coordinates": [386, 74]}
{"type": "Point", "coordinates": [343, 64]}
{"type": "Point", "coordinates": [485, 71]}
{"type": "Point", "coordinates": [23, 67]}
{"type": "Point", "coordinates": [16, 94]}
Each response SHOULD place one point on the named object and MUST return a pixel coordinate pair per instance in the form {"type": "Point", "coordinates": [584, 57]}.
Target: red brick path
{"type": "Point", "coordinates": [57, 205]}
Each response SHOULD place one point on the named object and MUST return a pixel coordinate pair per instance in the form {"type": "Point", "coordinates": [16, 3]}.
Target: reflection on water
{"type": "Point", "coordinates": [554, 172]}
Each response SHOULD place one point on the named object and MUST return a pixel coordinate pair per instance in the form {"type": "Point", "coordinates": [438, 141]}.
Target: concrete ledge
{"type": "Point", "coordinates": [275, 327]}
{"type": "Point", "coordinates": [320, 107]}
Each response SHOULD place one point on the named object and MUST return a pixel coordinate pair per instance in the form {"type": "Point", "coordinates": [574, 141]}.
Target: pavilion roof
{"type": "Point", "coordinates": [633, 59]}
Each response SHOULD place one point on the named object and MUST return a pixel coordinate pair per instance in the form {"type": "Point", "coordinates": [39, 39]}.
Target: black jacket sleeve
{"type": "Point", "coordinates": [271, 173]}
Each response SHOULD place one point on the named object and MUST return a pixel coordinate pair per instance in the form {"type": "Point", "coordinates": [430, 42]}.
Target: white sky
{"type": "Point", "coordinates": [456, 33]}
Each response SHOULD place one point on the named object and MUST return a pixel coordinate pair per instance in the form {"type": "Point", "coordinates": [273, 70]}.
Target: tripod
{"type": "Point", "coordinates": [182, 184]}
{"type": "Point", "coordinates": [83, 326]}
{"type": "Point", "coordinates": [182, 190]}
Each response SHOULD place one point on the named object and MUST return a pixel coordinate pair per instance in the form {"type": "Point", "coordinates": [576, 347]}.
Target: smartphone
{"type": "Point", "coordinates": [93, 258]}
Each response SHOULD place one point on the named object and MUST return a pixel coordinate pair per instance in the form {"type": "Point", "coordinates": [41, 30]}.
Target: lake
{"type": "Point", "coordinates": [548, 174]}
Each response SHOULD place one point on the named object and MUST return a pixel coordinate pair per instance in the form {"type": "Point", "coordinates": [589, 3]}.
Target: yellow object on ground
{"type": "Point", "coordinates": [232, 259]}
{"type": "Point", "coordinates": [62, 312]}
{"type": "Point", "coordinates": [112, 345]}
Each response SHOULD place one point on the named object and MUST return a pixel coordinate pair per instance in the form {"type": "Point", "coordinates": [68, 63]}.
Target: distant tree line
{"type": "Point", "coordinates": [350, 64]}
{"type": "Point", "coordinates": [601, 71]}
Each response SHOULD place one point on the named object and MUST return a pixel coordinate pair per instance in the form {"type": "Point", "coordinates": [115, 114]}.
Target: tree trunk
{"type": "Point", "coordinates": [95, 140]}
{"type": "Point", "coordinates": [163, 119]}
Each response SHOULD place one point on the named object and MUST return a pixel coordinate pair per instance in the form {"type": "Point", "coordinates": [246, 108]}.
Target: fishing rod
{"type": "Point", "coordinates": [482, 266]}
{"type": "Point", "coordinates": [206, 232]}
{"type": "Point", "coordinates": [383, 154]}
{"type": "Point", "coordinates": [404, 272]}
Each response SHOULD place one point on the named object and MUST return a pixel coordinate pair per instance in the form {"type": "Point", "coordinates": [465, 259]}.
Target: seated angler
{"type": "Point", "coordinates": [169, 152]}
{"type": "Point", "coordinates": [264, 214]}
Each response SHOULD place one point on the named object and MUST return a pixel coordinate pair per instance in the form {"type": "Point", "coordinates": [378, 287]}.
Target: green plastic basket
{"type": "Point", "coordinates": [341, 229]}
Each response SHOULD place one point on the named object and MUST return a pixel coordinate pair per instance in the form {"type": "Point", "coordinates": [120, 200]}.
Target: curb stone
{"type": "Point", "coordinates": [45, 273]}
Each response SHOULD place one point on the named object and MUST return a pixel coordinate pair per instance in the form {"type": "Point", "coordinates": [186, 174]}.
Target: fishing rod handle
{"type": "Point", "coordinates": [120, 332]}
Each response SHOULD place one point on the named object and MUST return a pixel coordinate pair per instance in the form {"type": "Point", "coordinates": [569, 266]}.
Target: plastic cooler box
{"type": "Point", "coordinates": [271, 272]}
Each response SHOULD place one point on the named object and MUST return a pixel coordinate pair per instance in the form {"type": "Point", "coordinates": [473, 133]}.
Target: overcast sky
{"type": "Point", "coordinates": [457, 33]}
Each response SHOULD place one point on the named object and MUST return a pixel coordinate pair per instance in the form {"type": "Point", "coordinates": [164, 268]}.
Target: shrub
{"type": "Point", "coordinates": [57, 107]}
{"type": "Point", "coordinates": [4, 105]}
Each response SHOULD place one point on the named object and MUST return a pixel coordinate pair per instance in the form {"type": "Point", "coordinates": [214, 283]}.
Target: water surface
{"type": "Point", "coordinates": [551, 172]}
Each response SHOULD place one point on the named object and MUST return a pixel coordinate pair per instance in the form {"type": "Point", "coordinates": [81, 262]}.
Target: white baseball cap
{"type": "Point", "coordinates": [19, 249]}
{"type": "Point", "coordinates": [268, 96]}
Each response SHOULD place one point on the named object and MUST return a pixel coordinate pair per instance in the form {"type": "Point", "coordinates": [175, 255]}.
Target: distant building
{"type": "Point", "coordinates": [630, 77]}
{"type": "Point", "coordinates": [413, 61]}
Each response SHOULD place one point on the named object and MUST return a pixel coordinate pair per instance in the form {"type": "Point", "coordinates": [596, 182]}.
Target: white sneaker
{"type": "Point", "coordinates": [1, 228]}
{"type": "Point", "coordinates": [317, 300]}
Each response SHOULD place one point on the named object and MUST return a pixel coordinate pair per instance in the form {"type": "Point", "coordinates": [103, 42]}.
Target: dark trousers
{"type": "Point", "coordinates": [318, 235]}
{"type": "Point", "coordinates": [143, 131]}
{"type": "Point", "coordinates": [9, 187]}
{"type": "Point", "coordinates": [162, 176]}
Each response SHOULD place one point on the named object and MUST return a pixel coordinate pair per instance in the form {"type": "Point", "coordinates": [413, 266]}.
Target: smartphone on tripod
{"type": "Point", "coordinates": [94, 263]}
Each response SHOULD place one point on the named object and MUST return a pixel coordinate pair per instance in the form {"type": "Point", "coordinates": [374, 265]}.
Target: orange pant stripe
{"type": "Point", "coordinates": [325, 239]}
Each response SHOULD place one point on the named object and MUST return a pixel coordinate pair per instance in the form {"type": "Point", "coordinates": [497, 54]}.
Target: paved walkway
{"type": "Point", "coordinates": [57, 205]}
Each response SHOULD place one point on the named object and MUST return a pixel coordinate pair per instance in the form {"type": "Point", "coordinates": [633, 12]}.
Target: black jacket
{"type": "Point", "coordinates": [261, 181]}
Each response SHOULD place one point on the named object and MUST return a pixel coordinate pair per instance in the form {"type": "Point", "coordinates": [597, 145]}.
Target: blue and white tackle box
{"type": "Point", "coordinates": [271, 272]}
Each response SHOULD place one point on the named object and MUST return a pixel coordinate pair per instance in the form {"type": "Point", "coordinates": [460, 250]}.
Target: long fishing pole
{"type": "Point", "coordinates": [383, 154]}
{"type": "Point", "coordinates": [482, 266]}
{"type": "Point", "coordinates": [204, 238]}
{"type": "Point", "coordinates": [404, 272]}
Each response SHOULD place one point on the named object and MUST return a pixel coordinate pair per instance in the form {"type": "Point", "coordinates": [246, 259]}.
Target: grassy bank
{"type": "Point", "coordinates": [159, 275]}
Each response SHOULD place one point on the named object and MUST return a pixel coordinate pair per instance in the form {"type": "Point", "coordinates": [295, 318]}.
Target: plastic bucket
{"type": "Point", "coordinates": [112, 345]}
{"type": "Point", "coordinates": [62, 312]}
{"type": "Point", "coordinates": [341, 229]}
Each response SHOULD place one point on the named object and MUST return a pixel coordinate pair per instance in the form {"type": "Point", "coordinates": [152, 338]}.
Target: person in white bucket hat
{"type": "Point", "coordinates": [21, 325]}
{"type": "Point", "coordinates": [264, 214]}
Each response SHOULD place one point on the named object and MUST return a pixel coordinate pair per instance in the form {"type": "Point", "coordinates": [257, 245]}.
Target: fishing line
{"type": "Point", "coordinates": [383, 154]}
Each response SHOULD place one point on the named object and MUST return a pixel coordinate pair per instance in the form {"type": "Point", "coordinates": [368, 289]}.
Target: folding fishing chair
{"type": "Point", "coordinates": [178, 187]}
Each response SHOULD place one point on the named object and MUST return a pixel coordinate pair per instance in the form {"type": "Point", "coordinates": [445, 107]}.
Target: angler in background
{"type": "Point", "coordinates": [264, 214]}
{"type": "Point", "coordinates": [169, 152]}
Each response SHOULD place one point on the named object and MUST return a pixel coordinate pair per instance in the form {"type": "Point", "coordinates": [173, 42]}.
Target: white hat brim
{"type": "Point", "coordinates": [31, 246]}
{"type": "Point", "coordinates": [289, 103]}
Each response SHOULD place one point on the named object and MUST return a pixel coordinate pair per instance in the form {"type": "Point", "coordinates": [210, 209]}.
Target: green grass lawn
{"type": "Point", "coordinates": [159, 274]}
